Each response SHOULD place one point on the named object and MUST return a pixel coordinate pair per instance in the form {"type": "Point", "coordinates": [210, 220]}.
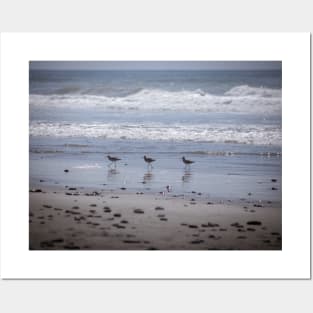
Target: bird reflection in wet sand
{"type": "Point", "coordinates": [187, 176]}
{"type": "Point", "coordinates": [112, 173]}
{"type": "Point", "coordinates": [147, 177]}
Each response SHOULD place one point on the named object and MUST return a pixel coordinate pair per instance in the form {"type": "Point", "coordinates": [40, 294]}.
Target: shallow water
{"type": "Point", "coordinates": [229, 123]}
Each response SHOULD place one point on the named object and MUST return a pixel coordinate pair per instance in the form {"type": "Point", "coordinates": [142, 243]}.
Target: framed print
{"type": "Point", "coordinates": [163, 156]}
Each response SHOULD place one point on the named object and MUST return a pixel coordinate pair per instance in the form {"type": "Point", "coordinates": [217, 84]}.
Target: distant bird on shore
{"type": "Point", "coordinates": [149, 161]}
{"type": "Point", "coordinates": [113, 160]}
{"type": "Point", "coordinates": [187, 162]}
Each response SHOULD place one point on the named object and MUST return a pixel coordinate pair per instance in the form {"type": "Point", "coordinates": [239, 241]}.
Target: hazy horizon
{"type": "Point", "coordinates": [156, 65]}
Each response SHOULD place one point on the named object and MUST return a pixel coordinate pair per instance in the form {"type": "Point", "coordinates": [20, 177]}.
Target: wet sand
{"type": "Point", "coordinates": [74, 218]}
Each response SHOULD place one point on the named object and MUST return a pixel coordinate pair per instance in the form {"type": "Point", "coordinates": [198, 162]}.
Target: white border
{"type": "Point", "coordinates": [18, 262]}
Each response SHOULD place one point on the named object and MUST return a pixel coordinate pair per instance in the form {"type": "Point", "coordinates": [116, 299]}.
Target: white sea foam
{"type": "Point", "coordinates": [88, 166]}
{"type": "Point", "coordinates": [238, 99]}
{"type": "Point", "coordinates": [248, 134]}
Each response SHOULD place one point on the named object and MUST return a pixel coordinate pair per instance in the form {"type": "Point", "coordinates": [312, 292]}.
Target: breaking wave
{"type": "Point", "coordinates": [241, 99]}
{"type": "Point", "coordinates": [244, 134]}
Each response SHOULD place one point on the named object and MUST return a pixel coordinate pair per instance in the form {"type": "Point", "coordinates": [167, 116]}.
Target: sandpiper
{"type": "Point", "coordinates": [113, 160]}
{"type": "Point", "coordinates": [148, 160]}
{"type": "Point", "coordinates": [187, 162]}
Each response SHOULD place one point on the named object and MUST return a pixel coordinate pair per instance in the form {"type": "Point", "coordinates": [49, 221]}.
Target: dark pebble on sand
{"type": "Point", "coordinates": [249, 194]}
{"type": "Point", "coordinates": [197, 241]}
{"type": "Point", "coordinates": [131, 241]}
{"type": "Point", "coordinates": [118, 226]}
{"type": "Point", "coordinates": [193, 192]}
{"type": "Point", "coordinates": [72, 188]}
{"type": "Point", "coordinates": [72, 212]}
{"type": "Point", "coordinates": [241, 237]}
{"type": "Point", "coordinates": [258, 205]}
{"type": "Point", "coordinates": [163, 219]}
{"type": "Point", "coordinates": [209, 203]}
{"type": "Point", "coordinates": [124, 222]}
{"type": "Point", "coordinates": [123, 188]}
{"type": "Point", "coordinates": [46, 244]}
{"type": "Point", "coordinates": [92, 211]}
{"type": "Point", "coordinates": [93, 205]}
{"type": "Point", "coordinates": [274, 188]}
{"type": "Point", "coordinates": [139, 211]}
{"type": "Point", "coordinates": [117, 215]}
{"type": "Point", "coordinates": [275, 234]}
{"type": "Point", "coordinates": [71, 247]}
{"type": "Point", "coordinates": [241, 230]}
{"type": "Point", "coordinates": [159, 208]}
{"type": "Point", "coordinates": [58, 240]}
{"type": "Point", "coordinates": [236, 225]}
{"type": "Point", "coordinates": [47, 206]}
{"type": "Point", "coordinates": [274, 180]}
{"type": "Point", "coordinates": [213, 225]}
{"type": "Point", "coordinates": [192, 226]}
{"type": "Point", "coordinates": [66, 170]}
{"type": "Point", "coordinates": [68, 194]}
{"type": "Point", "coordinates": [257, 223]}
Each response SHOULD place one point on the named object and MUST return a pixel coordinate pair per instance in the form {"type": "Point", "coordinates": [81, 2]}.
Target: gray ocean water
{"type": "Point", "coordinates": [228, 122]}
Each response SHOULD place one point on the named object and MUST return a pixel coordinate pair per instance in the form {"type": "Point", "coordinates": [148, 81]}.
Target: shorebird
{"type": "Point", "coordinates": [148, 160]}
{"type": "Point", "coordinates": [113, 160]}
{"type": "Point", "coordinates": [187, 162]}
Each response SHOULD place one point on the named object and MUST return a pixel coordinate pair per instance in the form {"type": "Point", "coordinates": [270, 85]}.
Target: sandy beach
{"type": "Point", "coordinates": [76, 218]}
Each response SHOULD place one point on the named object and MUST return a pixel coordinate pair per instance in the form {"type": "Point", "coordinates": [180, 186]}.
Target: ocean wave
{"type": "Point", "coordinates": [241, 98]}
{"type": "Point", "coordinates": [244, 134]}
